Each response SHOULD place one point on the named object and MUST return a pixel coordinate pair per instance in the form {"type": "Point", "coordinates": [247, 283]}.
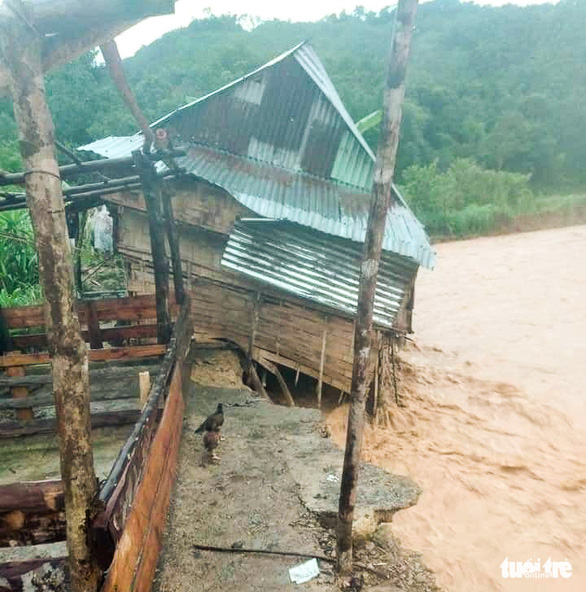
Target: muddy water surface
{"type": "Point", "coordinates": [495, 424]}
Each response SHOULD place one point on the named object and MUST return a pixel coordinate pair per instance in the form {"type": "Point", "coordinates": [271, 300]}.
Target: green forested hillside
{"type": "Point", "coordinates": [501, 86]}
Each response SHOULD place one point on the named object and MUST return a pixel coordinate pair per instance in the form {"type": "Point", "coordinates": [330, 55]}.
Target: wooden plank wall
{"type": "Point", "coordinates": [290, 329]}
{"type": "Point", "coordinates": [288, 332]}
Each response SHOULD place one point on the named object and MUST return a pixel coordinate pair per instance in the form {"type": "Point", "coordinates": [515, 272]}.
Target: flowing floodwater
{"type": "Point", "coordinates": [494, 428]}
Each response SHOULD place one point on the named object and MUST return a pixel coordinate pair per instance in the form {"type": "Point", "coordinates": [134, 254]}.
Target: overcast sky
{"type": "Point", "coordinates": [298, 10]}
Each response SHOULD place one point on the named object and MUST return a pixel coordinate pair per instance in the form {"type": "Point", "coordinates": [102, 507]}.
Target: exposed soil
{"type": "Point", "coordinates": [495, 411]}
{"type": "Point", "coordinates": [274, 488]}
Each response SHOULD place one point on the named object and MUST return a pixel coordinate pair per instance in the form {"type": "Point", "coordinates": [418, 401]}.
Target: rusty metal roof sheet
{"type": "Point", "coordinates": [322, 269]}
{"type": "Point", "coordinates": [281, 142]}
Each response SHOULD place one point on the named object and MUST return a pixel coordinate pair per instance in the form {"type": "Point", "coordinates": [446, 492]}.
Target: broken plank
{"type": "Point", "coordinates": [273, 369]}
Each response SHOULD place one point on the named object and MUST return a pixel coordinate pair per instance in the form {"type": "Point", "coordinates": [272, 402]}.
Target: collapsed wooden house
{"type": "Point", "coordinates": [271, 211]}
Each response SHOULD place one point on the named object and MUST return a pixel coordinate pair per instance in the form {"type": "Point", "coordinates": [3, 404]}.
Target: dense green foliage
{"type": "Point", "coordinates": [493, 117]}
{"type": "Point", "coordinates": [501, 85]}
{"type": "Point", "coordinates": [19, 270]}
{"type": "Point", "coordinates": [465, 199]}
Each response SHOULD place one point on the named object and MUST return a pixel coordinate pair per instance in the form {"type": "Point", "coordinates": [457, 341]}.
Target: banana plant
{"type": "Point", "coordinates": [371, 120]}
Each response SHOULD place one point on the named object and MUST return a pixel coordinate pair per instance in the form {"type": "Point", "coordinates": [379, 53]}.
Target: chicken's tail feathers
{"type": "Point", "coordinates": [200, 428]}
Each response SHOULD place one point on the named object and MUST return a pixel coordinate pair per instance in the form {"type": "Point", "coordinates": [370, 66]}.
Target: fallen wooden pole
{"type": "Point", "coordinates": [263, 552]}
{"type": "Point", "coordinates": [381, 201]}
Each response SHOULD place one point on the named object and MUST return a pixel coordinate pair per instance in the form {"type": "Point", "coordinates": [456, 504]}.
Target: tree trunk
{"type": "Point", "coordinates": [383, 178]}
{"type": "Point", "coordinates": [20, 50]}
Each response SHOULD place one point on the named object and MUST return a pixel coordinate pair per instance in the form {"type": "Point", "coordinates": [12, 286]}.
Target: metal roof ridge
{"type": "Point", "coordinates": [333, 97]}
{"type": "Point", "coordinates": [268, 64]}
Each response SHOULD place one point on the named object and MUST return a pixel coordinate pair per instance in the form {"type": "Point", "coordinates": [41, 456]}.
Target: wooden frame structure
{"type": "Point", "coordinates": [124, 542]}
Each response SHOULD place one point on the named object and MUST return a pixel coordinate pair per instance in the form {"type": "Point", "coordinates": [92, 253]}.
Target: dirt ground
{"type": "Point", "coordinates": [275, 488]}
{"type": "Point", "coordinates": [493, 428]}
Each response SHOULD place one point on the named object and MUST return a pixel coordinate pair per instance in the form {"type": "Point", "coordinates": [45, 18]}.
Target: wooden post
{"type": "Point", "coordinates": [20, 392]}
{"type": "Point", "coordinates": [322, 362]}
{"type": "Point", "coordinates": [20, 49]}
{"type": "Point", "coordinates": [78, 262]}
{"type": "Point", "coordinates": [383, 178]}
{"type": "Point", "coordinates": [5, 339]}
{"type": "Point", "coordinates": [173, 239]}
{"type": "Point", "coordinates": [152, 196]}
{"type": "Point", "coordinates": [252, 376]}
{"type": "Point", "coordinates": [144, 385]}
{"type": "Point", "coordinates": [93, 326]}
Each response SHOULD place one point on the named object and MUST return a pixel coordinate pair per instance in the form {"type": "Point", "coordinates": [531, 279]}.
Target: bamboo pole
{"type": "Point", "coordinates": [20, 48]}
{"type": "Point", "coordinates": [383, 177]}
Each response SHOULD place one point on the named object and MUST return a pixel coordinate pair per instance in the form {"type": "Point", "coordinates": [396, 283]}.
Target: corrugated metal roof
{"type": "Point", "coordinates": [326, 271]}
{"type": "Point", "coordinates": [280, 140]}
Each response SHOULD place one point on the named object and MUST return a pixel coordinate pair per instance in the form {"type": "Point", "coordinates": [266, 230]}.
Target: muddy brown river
{"type": "Point", "coordinates": [494, 429]}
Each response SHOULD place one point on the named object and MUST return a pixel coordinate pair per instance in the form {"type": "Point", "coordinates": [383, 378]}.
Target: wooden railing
{"type": "Point", "coordinates": [28, 322]}
{"type": "Point", "coordinates": [134, 498]}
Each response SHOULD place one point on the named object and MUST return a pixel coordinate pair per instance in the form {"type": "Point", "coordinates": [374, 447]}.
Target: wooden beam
{"type": "Point", "coordinates": [97, 375]}
{"type": "Point", "coordinates": [381, 201]}
{"type": "Point", "coordinates": [13, 429]}
{"type": "Point", "coordinates": [71, 170]}
{"type": "Point", "coordinates": [273, 369]}
{"type": "Point", "coordinates": [95, 355]}
{"type": "Point", "coordinates": [152, 196]}
{"type": "Point", "coordinates": [86, 29]}
{"type": "Point", "coordinates": [20, 49]}
{"type": "Point", "coordinates": [31, 513]}
{"type": "Point", "coordinates": [114, 63]}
